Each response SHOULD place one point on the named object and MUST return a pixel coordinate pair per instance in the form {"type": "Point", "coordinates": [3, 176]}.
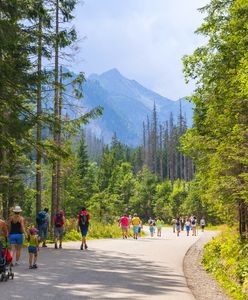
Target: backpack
{"type": "Point", "coordinates": [41, 218]}
{"type": "Point", "coordinates": [193, 222]}
{"type": "Point", "coordinates": [83, 221]}
{"type": "Point", "coordinates": [58, 220]}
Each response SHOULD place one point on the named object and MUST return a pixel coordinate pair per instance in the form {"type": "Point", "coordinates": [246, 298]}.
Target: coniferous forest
{"type": "Point", "coordinates": [50, 159]}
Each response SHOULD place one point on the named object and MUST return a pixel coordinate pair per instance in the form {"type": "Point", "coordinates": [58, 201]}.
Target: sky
{"type": "Point", "coordinates": [144, 39]}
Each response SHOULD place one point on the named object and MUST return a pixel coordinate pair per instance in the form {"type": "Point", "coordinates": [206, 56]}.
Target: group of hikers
{"type": "Point", "coordinates": [14, 229]}
{"type": "Point", "coordinates": [178, 225]}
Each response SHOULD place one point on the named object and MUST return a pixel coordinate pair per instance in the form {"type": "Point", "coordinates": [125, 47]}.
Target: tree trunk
{"type": "Point", "coordinates": [56, 112]}
{"type": "Point", "coordinates": [39, 124]}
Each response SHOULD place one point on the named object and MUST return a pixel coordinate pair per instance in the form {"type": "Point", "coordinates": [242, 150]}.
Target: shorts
{"type": "Point", "coordinates": [178, 227]}
{"type": "Point", "coordinates": [84, 230]}
{"type": "Point", "coordinates": [32, 249]}
{"type": "Point", "coordinates": [58, 232]}
{"type": "Point", "coordinates": [202, 226]}
{"type": "Point", "coordinates": [43, 231]}
{"type": "Point", "coordinates": [139, 230]}
{"type": "Point", "coordinates": [152, 229]}
{"type": "Point", "coordinates": [16, 239]}
{"type": "Point", "coordinates": [136, 228]}
{"type": "Point", "coordinates": [187, 228]}
{"type": "Point", "coordinates": [124, 227]}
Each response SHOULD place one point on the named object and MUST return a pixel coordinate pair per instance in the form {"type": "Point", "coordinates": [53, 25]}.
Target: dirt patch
{"type": "Point", "coordinates": [202, 284]}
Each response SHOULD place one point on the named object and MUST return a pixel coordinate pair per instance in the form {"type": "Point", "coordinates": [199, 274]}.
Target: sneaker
{"type": "Point", "coordinates": [85, 247]}
{"type": "Point", "coordinates": [30, 267]}
{"type": "Point", "coordinates": [81, 248]}
{"type": "Point", "coordinates": [35, 266]}
{"type": "Point", "coordinates": [56, 246]}
{"type": "Point", "coordinates": [60, 246]}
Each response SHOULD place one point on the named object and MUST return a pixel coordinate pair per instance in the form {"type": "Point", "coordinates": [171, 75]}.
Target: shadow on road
{"type": "Point", "coordinates": [66, 274]}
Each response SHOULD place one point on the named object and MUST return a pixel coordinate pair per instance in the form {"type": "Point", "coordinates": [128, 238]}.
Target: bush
{"type": "Point", "coordinates": [226, 257]}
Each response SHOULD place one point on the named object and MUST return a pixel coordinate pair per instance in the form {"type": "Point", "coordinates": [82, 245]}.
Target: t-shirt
{"type": "Point", "coordinates": [159, 224]}
{"type": "Point", "coordinates": [202, 222]}
{"type": "Point", "coordinates": [187, 223]}
{"type": "Point", "coordinates": [136, 221]}
{"type": "Point", "coordinates": [124, 221]}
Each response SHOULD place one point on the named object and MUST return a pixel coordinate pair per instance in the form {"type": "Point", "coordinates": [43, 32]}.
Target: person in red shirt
{"type": "Point", "coordinates": [83, 224]}
{"type": "Point", "coordinates": [59, 222]}
{"type": "Point", "coordinates": [124, 223]}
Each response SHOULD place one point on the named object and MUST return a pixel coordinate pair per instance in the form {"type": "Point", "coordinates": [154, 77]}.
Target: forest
{"type": "Point", "coordinates": [48, 159]}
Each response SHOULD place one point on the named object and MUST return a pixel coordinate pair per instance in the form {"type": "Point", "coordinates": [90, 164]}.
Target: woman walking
{"type": "Point", "coordinates": [16, 231]}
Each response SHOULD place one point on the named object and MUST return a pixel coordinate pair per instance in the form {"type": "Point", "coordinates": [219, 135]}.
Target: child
{"type": "Point", "coordinates": [152, 225]}
{"type": "Point", "coordinates": [33, 247]}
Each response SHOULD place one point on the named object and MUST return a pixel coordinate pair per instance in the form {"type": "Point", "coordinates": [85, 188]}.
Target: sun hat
{"type": "Point", "coordinates": [17, 209]}
{"type": "Point", "coordinates": [33, 230]}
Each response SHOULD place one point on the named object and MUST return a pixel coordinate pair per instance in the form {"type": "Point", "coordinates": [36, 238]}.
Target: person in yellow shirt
{"type": "Point", "coordinates": [136, 224]}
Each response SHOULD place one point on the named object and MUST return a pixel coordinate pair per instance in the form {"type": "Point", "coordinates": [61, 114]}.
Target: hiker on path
{"type": "Point", "coordinates": [33, 247]}
{"type": "Point", "coordinates": [182, 223]}
{"type": "Point", "coordinates": [16, 231]}
{"type": "Point", "coordinates": [193, 226]}
{"type": "Point", "coordinates": [136, 223]}
{"type": "Point", "coordinates": [202, 223]}
{"type": "Point", "coordinates": [187, 226]}
{"type": "Point", "coordinates": [152, 225]}
{"type": "Point", "coordinates": [43, 221]}
{"type": "Point", "coordinates": [178, 226]}
{"type": "Point", "coordinates": [59, 222]}
{"type": "Point", "coordinates": [173, 222]}
{"type": "Point", "coordinates": [159, 224]}
{"type": "Point", "coordinates": [124, 223]}
{"type": "Point", "coordinates": [83, 224]}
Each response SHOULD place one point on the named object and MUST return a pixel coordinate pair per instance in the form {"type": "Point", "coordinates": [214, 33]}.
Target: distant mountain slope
{"type": "Point", "coordinates": [126, 105]}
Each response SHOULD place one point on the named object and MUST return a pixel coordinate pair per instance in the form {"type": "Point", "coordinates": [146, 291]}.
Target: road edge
{"type": "Point", "coordinates": [201, 284]}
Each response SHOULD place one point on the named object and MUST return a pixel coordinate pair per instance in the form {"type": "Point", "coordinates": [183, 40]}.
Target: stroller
{"type": "Point", "coordinates": [5, 263]}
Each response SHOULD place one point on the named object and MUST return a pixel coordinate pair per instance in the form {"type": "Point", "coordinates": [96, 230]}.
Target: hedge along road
{"type": "Point", "coordinates": [148, 268]}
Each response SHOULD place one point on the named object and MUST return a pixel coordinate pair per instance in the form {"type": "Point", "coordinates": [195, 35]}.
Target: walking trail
{"type": "Point", "coordinates": [148, 268]}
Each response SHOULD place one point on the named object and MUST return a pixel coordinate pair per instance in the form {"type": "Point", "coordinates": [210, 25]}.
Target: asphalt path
{"type": "Point", "coordinates": [147, 268]}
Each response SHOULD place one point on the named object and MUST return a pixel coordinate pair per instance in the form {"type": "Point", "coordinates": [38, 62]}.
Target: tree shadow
{"type": "Point", "coordinates": [91, 274]}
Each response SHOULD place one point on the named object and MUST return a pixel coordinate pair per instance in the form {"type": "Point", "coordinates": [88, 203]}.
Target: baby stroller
{"type": "Point", "coordinates": [5, 263]}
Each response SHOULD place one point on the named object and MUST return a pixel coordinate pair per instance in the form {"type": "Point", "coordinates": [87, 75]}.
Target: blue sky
{"type": "Point", "coordinates": [144, 39]}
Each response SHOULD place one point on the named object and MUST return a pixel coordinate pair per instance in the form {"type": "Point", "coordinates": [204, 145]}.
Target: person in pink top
{"type": "Point", "coordinates": [124, 223]}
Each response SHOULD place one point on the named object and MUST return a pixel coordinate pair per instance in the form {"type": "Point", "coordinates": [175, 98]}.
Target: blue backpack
{"type": "Point", "coordinates": [41, 218]}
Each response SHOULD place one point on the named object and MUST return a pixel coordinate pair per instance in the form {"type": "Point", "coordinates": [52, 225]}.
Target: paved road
{"type": "Point", "coordinates": [149, 268]}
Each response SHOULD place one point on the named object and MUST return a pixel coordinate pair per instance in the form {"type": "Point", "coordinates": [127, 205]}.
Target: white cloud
{"type": "Point", "coordinates": [144, 39]}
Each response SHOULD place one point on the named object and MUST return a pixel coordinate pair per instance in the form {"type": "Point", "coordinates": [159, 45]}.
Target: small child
{"type": "Point", "coordinates": [33, 247]}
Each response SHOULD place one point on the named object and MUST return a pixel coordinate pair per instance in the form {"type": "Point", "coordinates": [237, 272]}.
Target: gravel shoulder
{"type": "Point", "coordinates": [202, 285]}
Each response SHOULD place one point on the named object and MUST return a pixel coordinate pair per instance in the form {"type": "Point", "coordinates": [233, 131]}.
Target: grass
{"type": "Point", "coordinates": [226, 257]}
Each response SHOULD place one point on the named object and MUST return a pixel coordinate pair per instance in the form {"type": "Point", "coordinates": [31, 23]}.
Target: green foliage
{"type": "Point", "coordinates": [218, 140]}
{"type": "Point", "coordinates": [227, 258]}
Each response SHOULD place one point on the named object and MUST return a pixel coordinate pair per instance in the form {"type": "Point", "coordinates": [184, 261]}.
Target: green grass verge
{"type": "Point", "coordinates": [226, 257]}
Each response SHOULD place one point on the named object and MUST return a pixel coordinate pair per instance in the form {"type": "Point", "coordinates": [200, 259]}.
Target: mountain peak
{"type": "Point", "coordinates": [112, 72]}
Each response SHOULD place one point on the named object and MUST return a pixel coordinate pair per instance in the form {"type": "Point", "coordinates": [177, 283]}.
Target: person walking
{"type": "Point", "coordinates": [43, 221]}
{"type": "Point", "coordinates": [159, 224]}
{"type": "Point", "coordinates": [187, 226]}
{"type": "Point", "coordinates": [193, 226]}
{"type": "Point", "coordinates": [33, 247]}
{"type": "Point", "coordinates": [173, 222]}
{"type": "Point", "coordinates": [59, 222]}
{"type": "Point", "coordinates": [182, 223]}
{"type": "Point", "coordinates": [83, 224]}
{"type": "Point", "coordinates": [136, 224]}
{"type": "Point", "coordinates": [178, 226]}
{"type": "Point", "coordinates": [16, 231]}
{"type": "Point", "coordinates": [124, 223]}
{"type": "Point", "coordinates": [202, 224]}
{"type": "Point", "coordinates": [152, 225]}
